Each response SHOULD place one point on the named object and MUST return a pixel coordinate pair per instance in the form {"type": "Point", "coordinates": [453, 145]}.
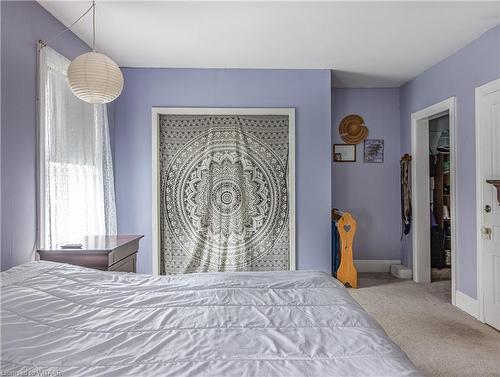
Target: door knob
{"type": "Point", "coordinates": [486, 232]}
{"type": "Point", "coordinates": [487, 208]}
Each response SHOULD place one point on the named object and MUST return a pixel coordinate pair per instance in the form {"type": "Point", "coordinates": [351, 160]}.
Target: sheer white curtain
{"type": "Point", "coordinates": [76, 171]}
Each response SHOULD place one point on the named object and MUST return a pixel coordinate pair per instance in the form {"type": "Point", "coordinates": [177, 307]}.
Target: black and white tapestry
{"type": "Point", "coordinates": [224, 193]}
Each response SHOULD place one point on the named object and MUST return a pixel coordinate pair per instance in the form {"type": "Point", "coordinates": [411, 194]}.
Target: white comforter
{"type": "Point", "coordinates": [65, 320]}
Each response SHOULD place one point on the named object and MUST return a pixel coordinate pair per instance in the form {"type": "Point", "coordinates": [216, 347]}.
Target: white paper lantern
{"type": "Point", "coordinates": [95, 78]}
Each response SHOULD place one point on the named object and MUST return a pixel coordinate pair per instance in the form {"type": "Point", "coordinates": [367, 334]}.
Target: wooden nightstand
{"type": "Point", "coordinates": [109, 253]}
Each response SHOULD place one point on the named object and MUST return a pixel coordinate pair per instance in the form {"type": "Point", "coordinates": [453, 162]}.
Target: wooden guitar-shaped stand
{"type": "Point", "coordinates": [347, 273]}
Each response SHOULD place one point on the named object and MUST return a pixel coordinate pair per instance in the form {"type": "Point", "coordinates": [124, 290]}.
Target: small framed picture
{"type": "Point", "coordinates": [374, 150]}
{"type": "Point", "coordinates": [344, 152]}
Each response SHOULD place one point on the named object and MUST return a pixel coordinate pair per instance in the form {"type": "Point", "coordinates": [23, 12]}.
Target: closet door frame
{"type": "Point", "coordinates": [156, 112]}
{"type": "Point", "coordinates": [420, 195]}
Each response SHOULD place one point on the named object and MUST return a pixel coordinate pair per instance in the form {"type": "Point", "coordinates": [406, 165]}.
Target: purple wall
{"type": "Point", "coordinates": [457, 75]}
{"type": "Point", "coordinates": [370, 191]}
{"type": "Point", "coordinates": [306, 90]}
{"type": "Point", "coordinates": [23, 24]}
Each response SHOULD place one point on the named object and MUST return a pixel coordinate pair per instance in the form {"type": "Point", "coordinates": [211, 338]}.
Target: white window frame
{"type": "Point", "coordinates": [155, 123]}
{"type": "Point", "coordinates": [40, 151]}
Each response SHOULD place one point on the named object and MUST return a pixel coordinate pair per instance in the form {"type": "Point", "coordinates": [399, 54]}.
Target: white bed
{"type": "Point", "coordinates": [72, 321]}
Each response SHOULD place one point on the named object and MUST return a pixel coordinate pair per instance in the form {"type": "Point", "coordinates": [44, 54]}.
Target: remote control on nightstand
{"type": "Point", "coordinates": [72, 246]}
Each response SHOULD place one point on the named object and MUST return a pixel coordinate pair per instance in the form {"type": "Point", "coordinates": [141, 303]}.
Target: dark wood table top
{"type": "Point", "coordinates": [97, 244]}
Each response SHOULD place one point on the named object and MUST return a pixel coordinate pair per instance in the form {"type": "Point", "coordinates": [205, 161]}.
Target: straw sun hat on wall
{"type": "Point", "coordinates": [352, 129]}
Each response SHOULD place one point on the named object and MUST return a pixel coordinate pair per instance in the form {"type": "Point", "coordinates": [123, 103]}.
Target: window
{"type": "Point", "coordinates": [76, 187]}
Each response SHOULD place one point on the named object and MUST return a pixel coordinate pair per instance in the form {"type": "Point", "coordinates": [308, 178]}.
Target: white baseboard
{"type": "Point", "coordinates": [467, 304]}
{"type": "Point", "coordinates": [375, 265]}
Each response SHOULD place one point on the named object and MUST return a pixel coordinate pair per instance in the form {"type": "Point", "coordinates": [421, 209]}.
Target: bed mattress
{"type": "Point", "coordinates": [59, 319]}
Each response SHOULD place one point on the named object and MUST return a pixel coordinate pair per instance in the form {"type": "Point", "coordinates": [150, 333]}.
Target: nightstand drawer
{"type": "Point", "coordinates": [125, 265]}
{"type": "Point", "coordinates": [96, 261]}
{"type": "Point", "coordinates": [123, 252]}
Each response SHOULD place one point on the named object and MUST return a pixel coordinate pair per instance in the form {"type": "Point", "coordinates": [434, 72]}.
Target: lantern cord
{"type": "Point", "coordinates": [93, 26]}
{"type": "Point", "coordinates": [92, 7]}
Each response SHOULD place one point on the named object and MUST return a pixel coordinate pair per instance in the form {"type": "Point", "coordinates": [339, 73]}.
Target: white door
{"type": "Point", "coordinates": [488, 128]}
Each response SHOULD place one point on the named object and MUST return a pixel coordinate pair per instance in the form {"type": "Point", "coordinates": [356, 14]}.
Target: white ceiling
{"type": "Point", "coordinates": [371, 44]}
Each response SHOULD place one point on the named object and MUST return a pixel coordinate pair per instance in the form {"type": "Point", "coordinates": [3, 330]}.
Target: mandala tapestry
{"type": "Point", "coordinates": [223, 193]}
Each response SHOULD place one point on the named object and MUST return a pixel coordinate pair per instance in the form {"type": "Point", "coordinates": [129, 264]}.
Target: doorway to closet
{"type": "Point", "coordinates": [440, 197]}
{"type": "Point", "coordinates": [433, 196]}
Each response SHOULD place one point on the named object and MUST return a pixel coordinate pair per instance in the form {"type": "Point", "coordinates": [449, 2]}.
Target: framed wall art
{"type": "Point", "coordinates": [344, 152]}
{"type": "Point", "coordinates": [374, 150]}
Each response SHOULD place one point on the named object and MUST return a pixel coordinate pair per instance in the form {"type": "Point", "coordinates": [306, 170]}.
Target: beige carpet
{"type": "Point", "coordinates": [440, 339]}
